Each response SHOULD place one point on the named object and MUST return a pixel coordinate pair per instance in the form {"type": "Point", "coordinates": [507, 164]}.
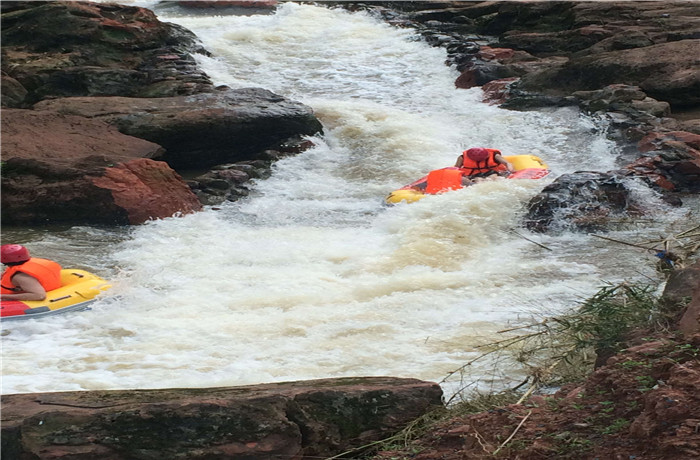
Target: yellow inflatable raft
{"type": "Point", "coordinates": [79, 289]}
{"type": "Point", "coordinates": [526, 167]}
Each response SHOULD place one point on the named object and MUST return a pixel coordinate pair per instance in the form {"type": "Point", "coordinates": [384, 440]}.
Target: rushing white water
{"type": "Point", "coordinates": [311, 276]}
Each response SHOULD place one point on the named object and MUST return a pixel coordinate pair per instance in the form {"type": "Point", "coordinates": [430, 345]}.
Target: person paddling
{"type": "Point", "coordinates": [26, 277]}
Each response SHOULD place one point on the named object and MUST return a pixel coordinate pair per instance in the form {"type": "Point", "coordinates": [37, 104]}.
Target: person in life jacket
{"type": "Point", "coordinates": [26, 277]}
{"type": "Point", "coordinates": [483, 162]}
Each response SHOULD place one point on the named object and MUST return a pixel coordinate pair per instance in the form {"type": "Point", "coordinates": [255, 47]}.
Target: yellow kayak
{"type": "Point", "coordinates": [79, 289]}
{"type": "Point", "coordinates": [526, 167]}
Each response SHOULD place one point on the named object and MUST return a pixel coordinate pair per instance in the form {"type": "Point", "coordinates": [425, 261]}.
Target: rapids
{"type": "Point", "coordinates": [312, 276]}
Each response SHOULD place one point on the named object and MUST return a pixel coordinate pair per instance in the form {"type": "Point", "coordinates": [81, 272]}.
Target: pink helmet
{"type": "Point", "coordinates": [478, 154]}
{"type": "Point", "coordinates": [13, 253]}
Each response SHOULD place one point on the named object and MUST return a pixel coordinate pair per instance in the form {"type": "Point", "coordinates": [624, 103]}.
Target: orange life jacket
{"type": "Point", "coordinates": [47, 272]}
{"type": "Point", "coordinates": [442, 180]}
{"type": "Point", "coordinates": [471, 167]}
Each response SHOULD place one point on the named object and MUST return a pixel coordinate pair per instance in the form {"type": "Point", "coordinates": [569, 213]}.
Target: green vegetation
{"type": "Point", "coordinates": [616, 426]}
{"type": "Point", "coordinates": [568, 444]}
{"type": "Point", "coordinates": [646, 382]}
{"type": "Point", "coordinates": [605, 319]}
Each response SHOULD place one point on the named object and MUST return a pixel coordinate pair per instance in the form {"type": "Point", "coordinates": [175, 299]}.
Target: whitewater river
{"type": "Point", "coordinates": [311, 276]}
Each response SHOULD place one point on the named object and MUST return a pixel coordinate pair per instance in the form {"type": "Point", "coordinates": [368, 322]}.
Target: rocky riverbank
{"type": "Point", "coordinates": [104, 110]}
{"type": "Point", "coordinates": [639, 403]}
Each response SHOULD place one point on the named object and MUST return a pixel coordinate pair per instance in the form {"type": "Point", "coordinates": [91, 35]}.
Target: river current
{"type": "Point", "coordinates": [311, 276]}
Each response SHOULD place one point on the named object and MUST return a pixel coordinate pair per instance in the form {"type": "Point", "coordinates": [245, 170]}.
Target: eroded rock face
{"type": "Point", "coordinates": [99, 64]}
{"type": "Point", "coordinates": [201, 130]}
{"type": "Point", "coordinates": [295, 420]}
{"type": "Point", "coordinates": [61, 49]}
{"type": "Point", "coordinates": [656, 69]}
{"type": "Point", "coordinates": [67, 169]}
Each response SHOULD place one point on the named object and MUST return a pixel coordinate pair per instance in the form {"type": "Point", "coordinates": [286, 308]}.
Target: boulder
{"type": "Point", "coordinates": [672, 160]}
{"type": "Point", "coordinates": [582, 201]}
{"type": "Point", "coordinates": [496, 91]}
{"type": "Point", "coordinates": [13, 93]}
{"type": "Point", "coordinates": [681, 286]}
{"type": "Point", "coordinates": [60, 49]}
{"type": "Point", "coordinates": [297, 420]}
{"type": "Point", "coordinates": [656, 69]}
{"type": "Point", "coordinates": [69, 169]}
{"type": "Point", "coordinates": [627, 99]}
{"type": "Point", "coordinates": [689, 324]}
{"type": "Point", "coordinates": [201, 130]}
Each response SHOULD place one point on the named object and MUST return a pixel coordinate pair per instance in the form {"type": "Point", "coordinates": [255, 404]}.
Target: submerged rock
{"type": "Point", "coordinates": [583, 201]}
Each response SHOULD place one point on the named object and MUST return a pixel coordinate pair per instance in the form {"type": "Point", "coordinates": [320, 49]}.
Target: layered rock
{"type": "Point", "coordinates": [94, 65]}
{"type": "Point", "coordinates": [313, 419]}
{"type": "Point", "coordinates": [61, 49]}
{"type": "Point", "coordinates": [67, 169]}
{"type": "Point", "coordinates": [656, 69]}
{"type": "Point", "coordinates": [561, 47]}
{"type": "Point", "coordinates": [201, 130]}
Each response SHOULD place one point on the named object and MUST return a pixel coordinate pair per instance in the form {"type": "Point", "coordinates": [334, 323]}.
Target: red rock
{"type": "Point", "coordinates": [500, 54]}
{"type": "Point", "coordinates": [65, 168]}
{"type": "Point", "coordinates": [653, 140]}
{"type": "Point", "coordinates": [148, 189]}
{"type": "Point", "coordinates": [496, 91]}
{"type": "Point", "coordinates": [466, 80]}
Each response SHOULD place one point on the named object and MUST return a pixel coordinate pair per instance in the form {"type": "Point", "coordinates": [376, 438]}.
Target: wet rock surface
{"type": "Point", "coordinates": [62, 49]}
{"type": "Point", "coordinates": [583, 201]}
{"type": "Point", "coordinates": [319, 418]}
{"type": "Point", "coordinates": [68, 169]}
{"type": "Point", "coordinates": [203, 130]}
{"type": "Point", "coordinates": [95, 65]}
